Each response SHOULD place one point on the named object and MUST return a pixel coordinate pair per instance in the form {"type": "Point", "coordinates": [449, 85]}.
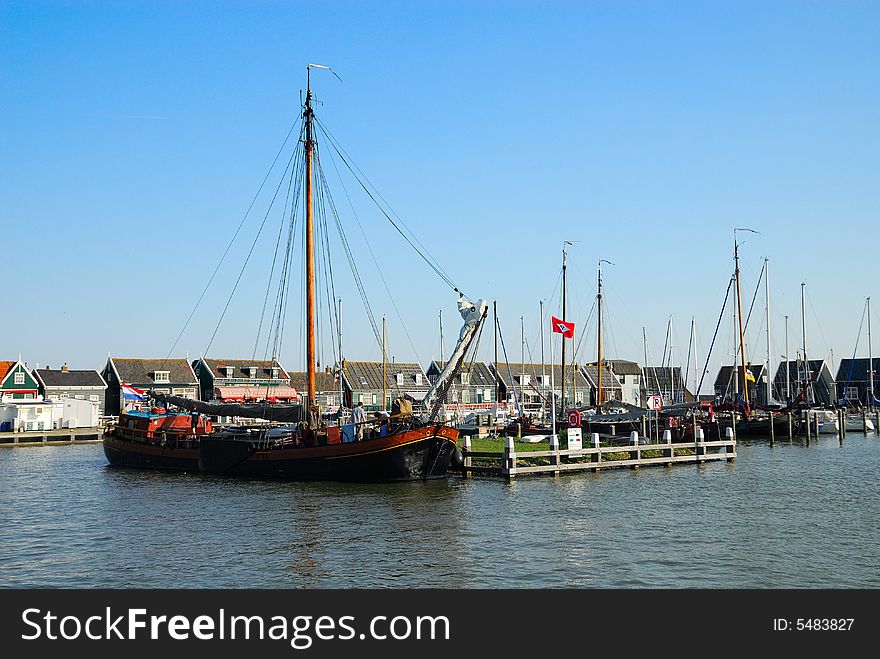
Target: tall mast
{"type": "Point", "coordinates": [769, 373]}
{"type": "Point", "coordinates": [543, 367]}
{"type": "Point", "coordinates": [599, 338]}
{"type": "Point", "coordinates": [308, 116]}
{"type": "Point", "coordinates": [522, 353]}
{"type": "Point", "coordinates": [384, 362]}
{"type": "Point", "coordinates": [671, 370]}
{"type": "Point", "coordinates": [804, 335]}
{"type": "Point", "coordinates": [742, 345]}
{"type": "Point", "coordinates": [787, 366]}
{"type": "Point", "coordinates": [562, 394]}
{"type": "Point", "coordinates": [644, 377]}
{"type": "Point", "coordinates": [692, 347]}
{"type": "Point", "coordinates": [870, 360]}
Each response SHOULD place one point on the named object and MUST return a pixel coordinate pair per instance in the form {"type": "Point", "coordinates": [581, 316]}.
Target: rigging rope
{"type": "Point", "coordinates": [229, 246]}
{"type": "Point", "coordinates": [715, 335]}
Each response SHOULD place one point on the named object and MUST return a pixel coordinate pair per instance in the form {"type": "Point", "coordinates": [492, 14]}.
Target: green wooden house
{"type": "Point", "coordinates": [16, 383]}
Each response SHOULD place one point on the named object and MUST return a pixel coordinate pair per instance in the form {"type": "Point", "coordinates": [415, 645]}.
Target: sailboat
{"type": "Point", "coordinates": [412, 443]}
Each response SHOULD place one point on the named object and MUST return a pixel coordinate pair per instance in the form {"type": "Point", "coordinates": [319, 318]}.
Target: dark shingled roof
{"type": "Point", "coordinates": [324, 382]}
{"type": "Point", "coordinates": [140, 371]}
{"type": "Point", "coordinates": [859, 370]}
{"type": "Point", "coordinates": [59, 378]}
{"type": "Point", "coordinates": [623, 367]}
{"type": "Point", "coordinates": [480, 375]}
{"type": "Point", "coordinates": [724, 374]}
{"type": "Point", "coordinates": [368, 375]}
{"type": "Point", "coordinates": [608, 379]}
{"type": "Point", "coordinates": [658, 378]}
{"type": "Point", "coordinates": [264, 367]}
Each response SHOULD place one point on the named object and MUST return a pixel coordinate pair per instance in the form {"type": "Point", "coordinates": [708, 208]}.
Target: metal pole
{"type": "Point", "coordinates": [769, 376]}
{"type": "Point", "coordinates": [310, 252]}
{"type": "Point", "coordinates": [562, 391]}
{"type": "Point", "coordinates": [787, 366]}
{"type": "Point", "coordinates": [341, 366]}
{"type": "Point", "coordinates": [870, 361]}
{"type": "Point", "coordinates": [543, 367]}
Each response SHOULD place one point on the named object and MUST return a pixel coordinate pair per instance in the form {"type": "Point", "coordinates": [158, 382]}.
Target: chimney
{"type": "Point", "coordinates": [64, 368]}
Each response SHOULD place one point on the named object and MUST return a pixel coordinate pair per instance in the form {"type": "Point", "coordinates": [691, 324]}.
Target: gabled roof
{"type": "Point", "coordinates": [608, 380]}
{"type": "Point", "coordinates": [478, 372]}
{"type": "Point", "coordinates": [140, 371]}
{"type": "Point", "coordinates": [623, 366]}
{"type": "Point", "coordinates": [859, 370]}
{"type": "Point", "coordinates": [795, 373]}
{"type": "Point", "coordinates": [368, 375]}
{"type": "Point", "coordinates": [324, 382]}
{"type": "Point", "coordinates": [729, 374]}
{"type": "Point", "coordinates": [264, 367]}
{"type": "Point", "coordinates": [553, 371]}
{"type": "Point", "coordinates": [59, 378]}
{"type": "Point", "coordinates": [8, 366]}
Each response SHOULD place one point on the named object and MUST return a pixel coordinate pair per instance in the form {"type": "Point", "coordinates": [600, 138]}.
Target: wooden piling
{"type": "Point", "coordinates": [509, 468]}
{"type": "Point", "coordinates": [772, 429]}
{"type": "Point", "coordinates": [790, 427]}
{"type": "Point", "coordinates": [634, 455]}
{"type": "Point", "coordinates": [467, 462]}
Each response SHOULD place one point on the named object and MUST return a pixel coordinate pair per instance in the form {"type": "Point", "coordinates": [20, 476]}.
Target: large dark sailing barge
{"type": "Point", "coordinates": [297, 444]}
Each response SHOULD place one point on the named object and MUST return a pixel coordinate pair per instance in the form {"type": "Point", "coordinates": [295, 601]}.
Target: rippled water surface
{"type": "Point", "coordinates": [787, 516]}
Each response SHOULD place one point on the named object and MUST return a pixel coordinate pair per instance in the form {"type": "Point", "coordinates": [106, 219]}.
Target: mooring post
{"type": "Point", "coordinates": [733, 423]}
{"type": "Point", "coordinates": [699, 443]}
{"type": "Point", "coordinates": [727, 449]}
{"type": "Point", "coordinates": [644, 431]}
{"type": "Point", "coordinates": [865, 422]}
{"type": "Point", "coordinates": [877, 423]}
{"type": "Point", "coordinates": [667, 439]}
{"type": "Point", "coordinates": [554, 446]}
{"type": "Point", "coordinates": [466, 462]}
{"type": "Point", "coordinates": [772, 429]}
{"type": "Point", "coordinates": [597, 456]}
{"type": "Point", "coordinates": [519, 431]}
{"type": "Point", "coordinates": [790, 427]}
{"type": "Point", "coordinates": [816, 421]}
{"type": "Point", "coordinates": [509, 469]}
{"type": "Point", "coordinates": [637, 454]}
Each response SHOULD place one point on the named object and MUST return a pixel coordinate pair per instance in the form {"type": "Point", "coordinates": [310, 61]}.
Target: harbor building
{"type": "Point", "coordinates": [728, 383]}
{"type": "Point", "coordinates": [363, 383]}
{"type": "Point", "coordinates": [16, 383]}
{"type": "Point", "coordinates": [168, 376]}
{"type": "Point", "coordinates": [531, 384]}
{"type": "Point", "coordinates": [237, 380]}
{"type": "Point", "coordinates": [790, 386]}
{"type": "Point", "coordinates": [327, 389]}
{"type": "Point", "coordinates": [668, 383]}
{"type": "Point", "coordinates": [854, 383]}
{"type": "Point", "coordinates": [64, 383]}
{"type": "Point", "coordinates": [611, 387]}
{"type": "Point", "coordinates": [472, 390]}
{"type": "Point", "coordinates": [629, 374]}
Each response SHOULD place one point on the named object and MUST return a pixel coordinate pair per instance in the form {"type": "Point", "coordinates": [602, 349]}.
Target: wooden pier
{"type": "Point", "coordinates": [510, 463]}
{"type": "Point", "coordinates": [51, 437]}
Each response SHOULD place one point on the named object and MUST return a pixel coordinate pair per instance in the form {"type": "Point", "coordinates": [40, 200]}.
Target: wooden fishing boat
{"type": "Point", "coordinates": [156, 439]}
{"type": "Point", "coordinates": [298, 443]}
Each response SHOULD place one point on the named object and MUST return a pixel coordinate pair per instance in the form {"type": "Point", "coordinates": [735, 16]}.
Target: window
{"type": "Point", "coordinates": [364, 398]}
{"type": "Point", "coordinates": [229, 371]}
{"type": "Point", "coordinates": [465, 378]}
{"type": "Point", "coordinates": [466, 396]}
{"type": "Point", "coordinates": [19, 377]}
{"type": "Point", "coordinates": [275, 373]}
{"type": "Point", "coordinates": [399, 378]}
{"type": "Point", "coordinates": [487, 395]}
{"type": "Point", "coordinates": [375, 398]}
{"type": "Point", "coordinates": [252, 372]}
{"type": "Point", "coordinates": [852, 393]}
{"type": "Point", "coordinates": [418, 377]}
{"type": "Point", "coordinates": [93, 397]}
{"type": "Point", "coordinates": [161, 376]}
{"type": "Point", "coordinates": [79, 397]}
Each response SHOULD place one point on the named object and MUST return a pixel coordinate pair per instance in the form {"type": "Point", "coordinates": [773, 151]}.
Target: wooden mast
{"type": "Point", "coordinates": [742, 345]}
{"type": "Point", "coordinates": [308, 116]}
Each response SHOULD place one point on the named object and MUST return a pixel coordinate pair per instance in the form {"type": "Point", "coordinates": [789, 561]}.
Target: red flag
{"type": "Point", "coordinates": [562, 327]}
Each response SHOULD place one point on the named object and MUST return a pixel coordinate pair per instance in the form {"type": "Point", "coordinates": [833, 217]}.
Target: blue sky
{"type": "Point", "coordinates": [134, 135]}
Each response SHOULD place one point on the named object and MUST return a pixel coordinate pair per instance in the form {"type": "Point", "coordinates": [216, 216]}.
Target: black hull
{"type": "Point", "coordinates": [422, 458]}
{"type": "Point", "coordinates": [125, 453]}
{"type": "Point", "coordinates": [761, 427]}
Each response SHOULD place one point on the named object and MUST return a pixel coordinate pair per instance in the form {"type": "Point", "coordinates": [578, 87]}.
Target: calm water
{"type": "Point", "coordinates": [790, 516]}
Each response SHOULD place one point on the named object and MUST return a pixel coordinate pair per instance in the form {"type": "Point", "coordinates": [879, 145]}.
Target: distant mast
{"type": "Point", "coordinates": [562, 391]}
{"type": "Point", "coordinates": [599, 339]}
{"type": "Point", "coordinates": [870, 361]}
{"type": "Point", "coordinates": [742, 345]}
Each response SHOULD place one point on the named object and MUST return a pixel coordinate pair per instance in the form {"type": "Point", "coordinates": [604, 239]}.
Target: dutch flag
{"type": "Point", "coordinates": [130, 393]}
